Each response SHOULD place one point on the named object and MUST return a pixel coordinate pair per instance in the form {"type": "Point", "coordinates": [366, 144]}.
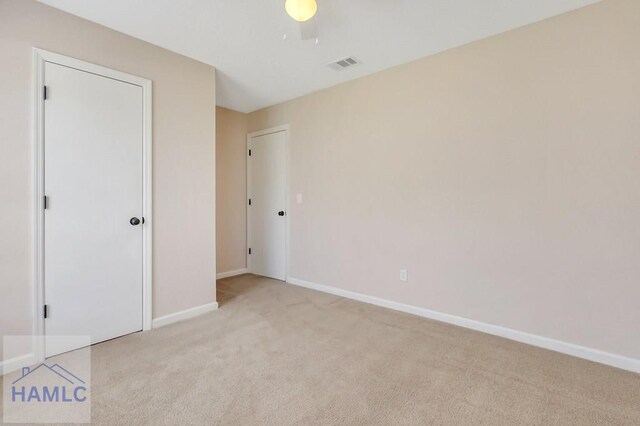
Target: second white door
{"type": "Point", "coordinates": [267, 216]}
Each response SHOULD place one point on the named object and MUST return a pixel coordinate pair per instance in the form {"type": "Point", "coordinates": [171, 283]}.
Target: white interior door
{"type": "Point", "coordinates": [93, 142]}
{"type": "Point", "coordinates": [267, 211]}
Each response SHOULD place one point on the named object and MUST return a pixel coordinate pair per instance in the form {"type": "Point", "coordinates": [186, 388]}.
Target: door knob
{"type": "Point", "coordinates": [134, 221]}
{"type": "Point", "coordinates": [280, 213]}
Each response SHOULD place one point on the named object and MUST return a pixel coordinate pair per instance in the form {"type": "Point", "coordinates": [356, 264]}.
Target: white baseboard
{"type": "Point", "coordinates": [16, 363]}
{"type": "Point", "coordinates": [183, 315]}
{"type": "Point", "coordinates": [228, 274]}
{"type": "Point", "coordinates": [630, 364]}
{"type": "Point", "coordinates": [13, 364]}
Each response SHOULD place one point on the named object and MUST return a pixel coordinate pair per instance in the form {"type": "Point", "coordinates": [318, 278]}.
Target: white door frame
{"type": "Point", "coordinates": [283, 128]}
{"type": "Point", "coordinates": [39, 58]}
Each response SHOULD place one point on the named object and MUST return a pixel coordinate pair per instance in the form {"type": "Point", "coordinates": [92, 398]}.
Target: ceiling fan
{"type": "Point", "coordinates": [304, 11]}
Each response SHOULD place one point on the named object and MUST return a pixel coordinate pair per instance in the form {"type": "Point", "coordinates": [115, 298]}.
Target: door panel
{"type": "Point", "coordinates": [268, 198]}
{"type": "Point", "coordinates": [93, 181]}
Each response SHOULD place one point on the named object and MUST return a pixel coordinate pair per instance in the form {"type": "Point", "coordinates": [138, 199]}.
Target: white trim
{"type": "Point", "coordinates": [40, 57]}
{"type": "Point", "coordinates": [228, 274]}
{"type": "Point", "coordinates": [595, 355]}
{"type": "Point", "coordinates": [13, 364]}
{"type": "Point", "coordinates": [183, 315]}
{"type": "Point", "coordinates": [38, 211]}
{"type": "Point", "coordinates": [271, 130]}
{"type": "Point", "coordinates": [286, 129]}
{"type": "Point", "coordinates": [147, 207]}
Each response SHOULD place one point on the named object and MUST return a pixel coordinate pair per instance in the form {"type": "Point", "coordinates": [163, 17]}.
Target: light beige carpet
{"type": "Point", "coordinates": [277, 354]}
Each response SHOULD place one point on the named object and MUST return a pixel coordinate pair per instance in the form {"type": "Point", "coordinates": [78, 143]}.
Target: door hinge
{"type": "Point", "coordinates": [45, 202]}
{"type": "Point", "coordinates": [249, 251]}
{"type": "Point", "coordinates": [249, 201]}
{"type": "Point", "coordinates": [249, 153]}
{"type": "Point", "coordinates": [45, 93]}
{"type": "Point", "coordinates": [46, 311]}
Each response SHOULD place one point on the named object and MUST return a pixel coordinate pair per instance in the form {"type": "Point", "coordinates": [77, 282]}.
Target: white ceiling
{"type": "Point", "coordinates": [243, 39]}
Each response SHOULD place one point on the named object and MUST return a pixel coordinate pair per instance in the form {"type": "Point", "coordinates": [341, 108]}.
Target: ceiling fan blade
{"type": "Point", "coordinates": [309, 29]}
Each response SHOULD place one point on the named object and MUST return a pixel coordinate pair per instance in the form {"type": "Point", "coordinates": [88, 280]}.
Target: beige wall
{"type": "Point", "coordinates": [231, 190]}
{"type": "Point", "coordinates": [504, 175]}
{"type": "Point", "coordinates": [183, 155]}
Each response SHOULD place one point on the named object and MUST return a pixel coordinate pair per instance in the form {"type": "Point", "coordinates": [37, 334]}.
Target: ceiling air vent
{"type": "Point", "coordinates": [344, 63]}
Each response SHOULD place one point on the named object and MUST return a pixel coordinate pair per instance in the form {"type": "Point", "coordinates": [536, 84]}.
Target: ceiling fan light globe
{"type": "Point", "coordinates": [301, 10]}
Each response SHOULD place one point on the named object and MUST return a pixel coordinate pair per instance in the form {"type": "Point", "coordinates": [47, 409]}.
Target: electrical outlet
{"type": "Point", "coordinates": [404, 275]}
{"type": "Point", "coordinates": [299, 198]}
